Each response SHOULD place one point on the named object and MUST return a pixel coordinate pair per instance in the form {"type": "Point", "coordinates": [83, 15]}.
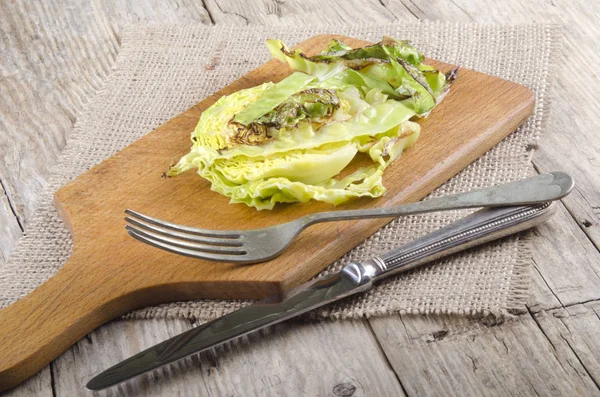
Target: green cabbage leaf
{"type": "Point", "coordinates": [296, 140]}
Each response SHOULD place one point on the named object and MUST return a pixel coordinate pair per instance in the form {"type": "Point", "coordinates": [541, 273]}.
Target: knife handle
{"type": "Point", "coordinates": [480, 227]}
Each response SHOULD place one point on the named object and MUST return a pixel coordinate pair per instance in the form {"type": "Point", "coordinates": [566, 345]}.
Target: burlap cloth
{"type": "Point", "coordinates": [163, 70]}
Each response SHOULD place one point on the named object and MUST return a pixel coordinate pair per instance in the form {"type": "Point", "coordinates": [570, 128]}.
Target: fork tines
{"type": "Point", "coordinates": [184, 240]}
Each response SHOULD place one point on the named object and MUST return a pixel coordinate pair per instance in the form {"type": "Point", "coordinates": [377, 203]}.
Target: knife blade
{"type": "Point", "coordinates": [477, 228]}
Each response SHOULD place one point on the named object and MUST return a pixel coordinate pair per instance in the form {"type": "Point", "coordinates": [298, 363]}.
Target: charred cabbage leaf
{"type": "Point", "coordinates": [293, 141]}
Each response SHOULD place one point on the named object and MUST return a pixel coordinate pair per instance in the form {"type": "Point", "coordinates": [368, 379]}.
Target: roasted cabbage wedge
{"type": "Point", "coordinates": [291, 141]}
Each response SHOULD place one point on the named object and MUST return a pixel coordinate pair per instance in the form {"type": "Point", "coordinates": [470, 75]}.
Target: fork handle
{"type": "Point", "coordinates": [534, 190]}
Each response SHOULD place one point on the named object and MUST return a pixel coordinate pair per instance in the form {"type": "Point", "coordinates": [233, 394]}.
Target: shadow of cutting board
{"type": "Point", "coordinates": [110, 273]}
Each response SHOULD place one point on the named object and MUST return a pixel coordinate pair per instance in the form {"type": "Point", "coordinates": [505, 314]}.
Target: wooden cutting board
{"type": "Point", "coordinates": [110, 273]}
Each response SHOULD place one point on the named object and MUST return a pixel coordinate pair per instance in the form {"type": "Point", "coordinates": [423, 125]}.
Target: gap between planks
{"type": "Point", "coordinates": [459, 356]}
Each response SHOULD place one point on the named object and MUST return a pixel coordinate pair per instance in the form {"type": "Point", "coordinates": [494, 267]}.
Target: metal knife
{"type": "Point", "coordinates": [477, 228]}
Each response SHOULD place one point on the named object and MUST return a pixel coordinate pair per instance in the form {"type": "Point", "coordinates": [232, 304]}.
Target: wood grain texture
{"type": "Point", "coordinates": [133, 275]}
{"type": "Point", "coordinates": [574, 144]}
{"type": "Point", "coordinates": [307, 359]}
{"type": "Point", "coordinates": [579, 327]}
{"type": "Point", "coordinates": [284, 13]}
{"type": "Point", "coordinates": [39, 385]}
{"type": "Point", "coordinates": [466, 357]}
{"type": "Point", "coordinates": [54, 57]}
{"type": "Point", "coordinates": [567, 262]}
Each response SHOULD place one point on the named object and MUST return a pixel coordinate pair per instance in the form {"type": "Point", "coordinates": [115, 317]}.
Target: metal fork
{"type": "Point", "coordinates": [258, 245]}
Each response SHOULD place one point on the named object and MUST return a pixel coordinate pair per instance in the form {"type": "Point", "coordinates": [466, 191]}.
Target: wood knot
{"type": "Point", "coordinates": [439, 335]}
{"type": "Point", "coordinates": [345, 389]}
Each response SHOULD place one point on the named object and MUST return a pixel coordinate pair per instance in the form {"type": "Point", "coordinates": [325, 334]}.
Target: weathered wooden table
{"type": "Point", "coordinates": [55, 55]}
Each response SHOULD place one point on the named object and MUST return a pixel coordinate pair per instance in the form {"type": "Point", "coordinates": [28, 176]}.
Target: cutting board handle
{"type": "Point", "coordinates": [40, 326]}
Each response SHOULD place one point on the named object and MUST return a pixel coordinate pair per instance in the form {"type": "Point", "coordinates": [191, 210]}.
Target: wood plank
{"type": "Point", "coordinates": [39, 385]}
{"type": "Point", "coordinates": [566, 261]}
{"type": "Point", "coordinates": [54, 57]}
{"type": "Point", "coordinates": [541, 296]}
{"type": "Point", "coordinates": [339, 358]}
{"type": "Point", "coordinates": [440, 10]}
{"type": "Point", "coordinates": [284, 13]}
{"type": "Point", "coordinates": [574, 144]}
{"type": "Point", "coordinates": [576, 328]}
{"type": "Point", "coordinates": [454, 356]}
